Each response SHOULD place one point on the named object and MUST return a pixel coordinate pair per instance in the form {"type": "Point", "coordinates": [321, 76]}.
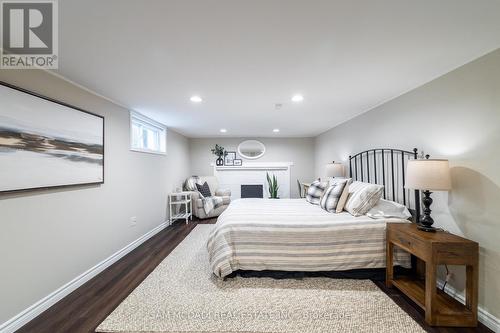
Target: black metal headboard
{"type": "Point", "coordinates": [387, 167]}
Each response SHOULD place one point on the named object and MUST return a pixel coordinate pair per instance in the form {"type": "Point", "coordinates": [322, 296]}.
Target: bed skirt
{"type": "Point", "coordinates": [375, 274]}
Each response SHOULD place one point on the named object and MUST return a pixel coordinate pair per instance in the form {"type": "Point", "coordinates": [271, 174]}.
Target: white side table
{"type": "Point", "coordinates": [178, 200]}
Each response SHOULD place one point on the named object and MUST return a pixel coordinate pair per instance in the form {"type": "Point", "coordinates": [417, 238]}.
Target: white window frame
{"type": "Point", "coordinates": [162, 130]}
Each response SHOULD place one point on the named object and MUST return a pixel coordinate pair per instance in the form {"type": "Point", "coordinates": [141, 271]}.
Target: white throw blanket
{"type": "Point", "coordinates": [209, 203]}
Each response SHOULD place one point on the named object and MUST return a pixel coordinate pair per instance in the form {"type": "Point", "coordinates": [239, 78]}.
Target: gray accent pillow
{"type": "Point", "coordinates": [204, 190]}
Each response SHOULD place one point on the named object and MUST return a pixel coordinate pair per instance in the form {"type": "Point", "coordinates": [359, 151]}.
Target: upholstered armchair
{"type": "Point", "coordinates": [196, 198]}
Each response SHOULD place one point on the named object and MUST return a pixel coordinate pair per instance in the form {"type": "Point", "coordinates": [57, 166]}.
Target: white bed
{"type": "Point", "coordinates": [294, 235]}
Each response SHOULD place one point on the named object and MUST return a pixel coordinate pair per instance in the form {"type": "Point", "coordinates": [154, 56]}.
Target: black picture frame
{"type": "Point", "coordinates": [229, 158]}
{"type": "Point", "coordinates": [60, 186]}
{"type": "Point", "coordinates": [237, 162]}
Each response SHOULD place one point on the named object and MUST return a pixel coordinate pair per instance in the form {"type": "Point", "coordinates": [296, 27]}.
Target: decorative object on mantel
{"type": "Point", "coordinates": [428, 174]}
{"type": "Point", "coordinates": [238, 162]}
{"type": "Point", "coordinates": [335, 170]}
{"type": "Point", "coordinates": [251, 149]}
{"type": "Point", "coordinates": [273, 186]}
{"type": "Point", "coordinates": [219, 152]}
{"type": "Point", "coordinates": [229, 158]}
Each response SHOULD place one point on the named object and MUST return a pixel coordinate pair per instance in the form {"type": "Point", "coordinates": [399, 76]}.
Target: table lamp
{"type": "Point", "coordinates": [428, 175]}
{"type": "Point", "coordinates": [334, 170]}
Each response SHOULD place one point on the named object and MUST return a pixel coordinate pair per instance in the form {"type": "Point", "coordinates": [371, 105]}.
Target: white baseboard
{"type": "Point", "coordinates": [489, 320]}
{"type": "Point", "coordinates": [36, 309]}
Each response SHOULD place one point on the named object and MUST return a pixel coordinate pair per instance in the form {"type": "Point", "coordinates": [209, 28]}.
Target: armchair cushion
{"type": "Point", "coordinates": [222, 192]}
{"type": "Point", "coordinates": [195, 195]}
{"type": "Point", "coordinates": [198, 203]}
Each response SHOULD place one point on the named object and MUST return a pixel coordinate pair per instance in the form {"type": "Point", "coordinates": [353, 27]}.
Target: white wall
{"type": "Point", "coordinates": [47, 238]}
{"type": "Point", "coordinates": [299, 151]}
{"type": "Point", "coordinates": [457, 117]}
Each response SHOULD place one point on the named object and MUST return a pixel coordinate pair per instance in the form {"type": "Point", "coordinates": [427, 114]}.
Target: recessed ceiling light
{"type": "Point", "coordinates": [276, 130]}
{"type": "Point", "coordinates": [196, 99]}
{"type": "Point", "coordinates": [223, 130]}
{"type": "Point", "coordinates": [297, 98]}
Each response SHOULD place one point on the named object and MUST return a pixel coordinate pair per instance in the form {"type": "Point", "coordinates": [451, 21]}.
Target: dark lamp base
{"type": "Point", "coordinates": [426, 228]}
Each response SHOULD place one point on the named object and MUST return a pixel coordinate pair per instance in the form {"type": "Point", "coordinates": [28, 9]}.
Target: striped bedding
{"type": "Point", "coordinates": [294, 235]}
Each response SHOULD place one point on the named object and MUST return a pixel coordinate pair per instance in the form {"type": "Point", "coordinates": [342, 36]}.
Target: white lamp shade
{"type": "Point", "coordinates": [428, 175]}
{"type": "Point", "coordinates": [335, 170]}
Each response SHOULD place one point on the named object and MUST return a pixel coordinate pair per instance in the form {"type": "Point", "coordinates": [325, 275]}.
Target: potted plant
{"type": "Point", "coordinates": [273, 186]}
{"type": "Point", "coordinates": [220, 153]}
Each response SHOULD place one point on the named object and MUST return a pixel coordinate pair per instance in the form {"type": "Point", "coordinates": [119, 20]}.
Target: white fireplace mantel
{"type": "Point", "coordinates": [257, 166]}
{"type": "Point", "coordinates": [253, 173]}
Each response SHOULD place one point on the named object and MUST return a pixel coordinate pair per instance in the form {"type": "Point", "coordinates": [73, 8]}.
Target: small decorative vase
{"type": "Point", "coordinates": [219, 161]}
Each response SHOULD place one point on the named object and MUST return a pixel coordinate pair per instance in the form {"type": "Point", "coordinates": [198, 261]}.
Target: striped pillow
{"type": "Point", "coordinates": [362, 197]}
{"type": "Point", "coordinates": [332, 195]}
{"type": "Point", "coordinates": [315, 191]}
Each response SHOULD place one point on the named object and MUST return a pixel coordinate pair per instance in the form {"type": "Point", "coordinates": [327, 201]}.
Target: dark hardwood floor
{"type": "Point", "coordinates": [85, 308]}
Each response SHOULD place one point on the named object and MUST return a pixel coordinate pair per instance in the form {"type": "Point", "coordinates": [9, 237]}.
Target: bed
{"type": "Point", "coordinates": [293, 235]}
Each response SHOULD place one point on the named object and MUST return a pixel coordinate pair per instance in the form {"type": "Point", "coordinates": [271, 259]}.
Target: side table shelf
{"type": "Point", "coordinates": [433, 249]}
{"type": "Point", "coordinates": [176, 201]}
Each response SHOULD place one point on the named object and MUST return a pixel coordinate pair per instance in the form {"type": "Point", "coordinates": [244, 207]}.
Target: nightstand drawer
{"type": "Point", "coordinates": [408, 243]}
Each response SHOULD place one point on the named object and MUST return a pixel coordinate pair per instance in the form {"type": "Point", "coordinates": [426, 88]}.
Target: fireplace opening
{"type": "Point", "coordinates": [252, 191]}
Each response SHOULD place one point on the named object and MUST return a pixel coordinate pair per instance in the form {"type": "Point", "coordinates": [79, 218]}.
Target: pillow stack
{"type": "Point", "coordinates": [315, 192]}
{"type": "Point", "coordinates": [357, 198]}
{"type": "Point", "coordinates": [363, 197]}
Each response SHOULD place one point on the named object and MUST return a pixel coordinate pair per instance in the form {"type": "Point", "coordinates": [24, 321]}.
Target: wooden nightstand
{"type": "Point", "coordinates": [435, 248]}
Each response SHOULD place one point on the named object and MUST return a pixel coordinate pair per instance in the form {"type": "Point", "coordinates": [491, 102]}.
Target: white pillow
{"type": "Point", "coordinates": [387, 209]}
{"type": "Point", "coordinates": [362, 197]}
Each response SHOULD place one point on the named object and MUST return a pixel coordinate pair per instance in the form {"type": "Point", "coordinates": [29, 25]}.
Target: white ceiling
{"type": "Point", "coordinates": [243, 56]}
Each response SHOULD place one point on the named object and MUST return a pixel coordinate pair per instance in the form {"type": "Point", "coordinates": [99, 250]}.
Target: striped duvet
{"type": "Point", "coordinates": [294, 235]}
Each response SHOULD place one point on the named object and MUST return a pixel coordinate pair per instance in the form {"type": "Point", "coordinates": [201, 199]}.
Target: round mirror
{"type": "Point", "coordinates": [251, 149]}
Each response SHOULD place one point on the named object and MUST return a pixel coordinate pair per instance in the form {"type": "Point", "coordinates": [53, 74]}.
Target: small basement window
{"type": "Point", "coordinates": [147, 135]}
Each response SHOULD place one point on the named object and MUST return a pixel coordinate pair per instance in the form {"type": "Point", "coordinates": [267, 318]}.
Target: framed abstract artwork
{"type": "Point", "coordinates": [45, 143]}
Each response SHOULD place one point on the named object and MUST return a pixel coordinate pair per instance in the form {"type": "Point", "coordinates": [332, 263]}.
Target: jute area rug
{"type": "Point", "coordinates": [182, 295]}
